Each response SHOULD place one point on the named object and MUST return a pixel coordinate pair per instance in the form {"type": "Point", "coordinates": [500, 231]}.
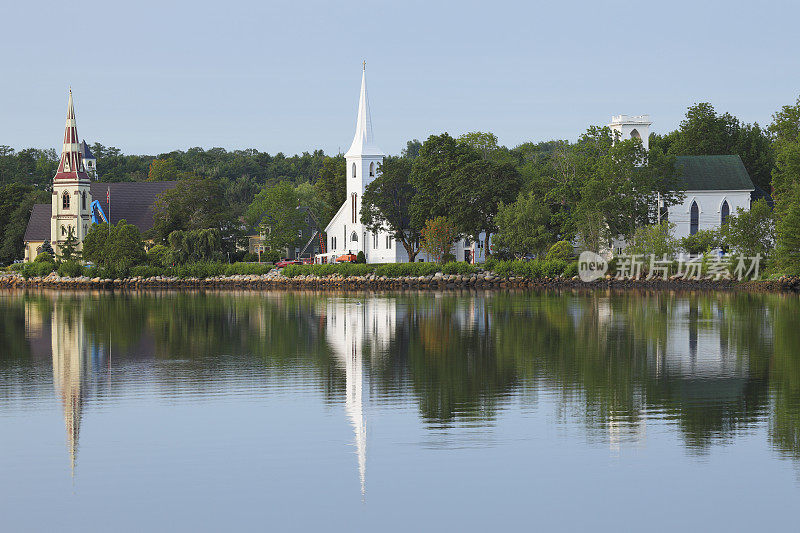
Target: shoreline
{"type": "Point", "coordinates": [438, 282]}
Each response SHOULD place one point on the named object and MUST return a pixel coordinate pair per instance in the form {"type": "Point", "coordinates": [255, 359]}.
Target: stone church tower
{"type": "Point", "coordinates": [71, 188]}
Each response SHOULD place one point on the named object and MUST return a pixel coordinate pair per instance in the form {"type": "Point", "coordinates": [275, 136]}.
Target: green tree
{"type": "Point", "coordinates": [785, 128]}
{"type": "Point", "coordinates": [439, 159]}
{"type": "Point", "coordinates": [386, 204]}
{"type": "Point", "coordinates": [16, 204]}
{"type": "Point", "coordinates": [120, 248]}
{"type": "Point", "coordinates": [656, 240]}
{"type": "Point", "coordinates": [473, 192]}
{"type": "Point", "coordinates": [523, 226]}
{"type": "Point", "coordinates": [275, 213]}
{"type": "Point", "coordinates": [201, 245]}
{"type": "Point", "coordinates": [195, 203]}
{"type": "Point", "coordinates": [438, 236]}
{"type": "Point", "coordinates": [750, 232]}
{"type": "Point", "coordinates": [411, 151]}
{"type": "Point", "coordinates": [69, 250]}
{"type": "Point", "coordinates": [332, 186]}
{"type": "Point", "coordinates": [484, 142]}
{"type": "Point", "coordinates": [702, 242]}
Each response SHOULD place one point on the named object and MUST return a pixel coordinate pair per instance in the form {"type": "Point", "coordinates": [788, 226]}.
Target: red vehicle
{"type": "Point", "coordinates": [285, 262]}
{"type": "Point", "coordinates": [346, 258]}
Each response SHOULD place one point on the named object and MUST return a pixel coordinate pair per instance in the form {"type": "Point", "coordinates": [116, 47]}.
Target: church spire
{"type": "Point", "coordinates": [364, 139]}
{"type": "Point", "coordinates": [71, 165]}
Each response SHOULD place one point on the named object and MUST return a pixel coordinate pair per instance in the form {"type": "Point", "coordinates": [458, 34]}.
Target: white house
{"type": "Point", "coordinates": [345, 232]}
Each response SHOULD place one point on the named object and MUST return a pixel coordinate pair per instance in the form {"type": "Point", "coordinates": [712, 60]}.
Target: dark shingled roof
{"type": "Point", "coordinates": [130, 201]}
{"type": "Point", "coordinates": [87, 154]}
{"type": "Point", "coordinates": [713, 173]}
{"type": "Point", "coordinates": [39, 224]}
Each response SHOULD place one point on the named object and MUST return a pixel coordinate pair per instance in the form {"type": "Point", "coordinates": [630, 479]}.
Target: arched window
{"type": "Point", "coordinates": [726, 211]}
{"type": "Point", "coordinates": [83, 201]}
{"type": "Point", "coordinates": [694, 220]}
{"type": "Point", "coordinates": [371, 169]}
{"type": "Point", "coordinates": [635, 134]}
{"type": "Point", "coordinates": [354, 170]}
{"type": "Point", "coordinates": [354, 237]}
{"type": "Point", "coordinates": [65, 201]}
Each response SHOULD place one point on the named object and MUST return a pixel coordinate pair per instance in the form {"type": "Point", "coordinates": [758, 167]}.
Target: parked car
{"type": "Point", "coordinates": [346, 258]}
{"type": "Point", "coordinates": [285, 262]}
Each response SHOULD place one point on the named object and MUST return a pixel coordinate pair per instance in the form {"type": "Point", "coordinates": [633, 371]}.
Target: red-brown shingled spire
{"type": "Point", "coordinates": [71, 166]}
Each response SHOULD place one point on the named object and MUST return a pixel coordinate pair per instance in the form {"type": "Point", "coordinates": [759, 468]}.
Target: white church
{"type": "Point", "coordinates": [715, 186]}
{"type": "Point", "coordinates": [345, 232]}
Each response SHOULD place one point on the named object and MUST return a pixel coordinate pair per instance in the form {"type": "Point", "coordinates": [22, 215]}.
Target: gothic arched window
{"type": "Point", "coordinates": [726, 211]}
{"type": "Point", "coordinates": [65, 201]}
{"type": "Point", "coordinates": [371, 169]}
{"type": "Point", "coordinates": [635, 134]}
{"type": "Point", "coordinates": [354, 237]}
{"type": "Point", "coordinates": [694, 219]}
{"type": "Point", "coordinates": [83, 201]}
{"type": "Point", "coordinates": [354, 170]}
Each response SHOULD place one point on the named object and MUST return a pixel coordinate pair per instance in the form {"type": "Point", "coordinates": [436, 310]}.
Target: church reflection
{"type": "Point", "coordinates": [353, 327]}
{"type": "Point", "coordinates": [708, 365]}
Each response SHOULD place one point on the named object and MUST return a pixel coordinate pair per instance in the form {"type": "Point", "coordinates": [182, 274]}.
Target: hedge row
{"type": "Point", "coordinates": [389, 270]}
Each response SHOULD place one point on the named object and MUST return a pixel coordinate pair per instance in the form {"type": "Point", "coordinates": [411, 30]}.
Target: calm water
{"type": "Point", "coordinates": [277, 411]}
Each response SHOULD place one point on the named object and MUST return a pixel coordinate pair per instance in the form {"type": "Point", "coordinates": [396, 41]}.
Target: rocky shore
{"type": "Point", "coordinates": [439, 281]}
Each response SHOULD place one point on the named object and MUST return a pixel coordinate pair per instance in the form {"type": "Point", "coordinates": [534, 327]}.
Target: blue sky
{"type": "Point", "coordinates": [150, 77]}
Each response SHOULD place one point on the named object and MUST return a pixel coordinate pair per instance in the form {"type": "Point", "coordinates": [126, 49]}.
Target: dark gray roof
{"type": "Point", "coordinates": [39, 224]}
{"type": "Point", "coordinates": [132, 201]}
{"type": "Point", "coordinates": [713, 173]}
{"type": "Point", "coordinates": [87, 154]}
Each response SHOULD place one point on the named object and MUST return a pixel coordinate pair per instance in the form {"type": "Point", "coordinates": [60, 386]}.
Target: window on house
{"type": "Point", "coordinates": [354, 237]}
{"type": "Point", "coordinates": [388, 242]}
{"type": "Point", "coordinates": [354, 170]}
{"type": "Point", "coordinates": [374, 241]}
{"type": "Point", "coordinates": [466, 243]}
{"type": "Point", "coordinates": [63, 230]}
{"type": "Point", "coordinates": [726, 211]}
{"type": "Point", "coordinates": [66, 164]}
{"type": "Point", "coordinates": [694, 219]}
{"type": "Point", "coordinates": [83, 201]}
{"type": "Point", "coordinates": [354, 197]}
{"type": "Point", "coordinates": [65, 201]}
{"type": "Point", "coordinates": [371, 169]}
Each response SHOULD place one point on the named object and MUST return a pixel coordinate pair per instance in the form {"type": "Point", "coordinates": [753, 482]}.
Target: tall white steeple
{"type": "Point", "coordinates": [364, 157]}
{"type": "Point", "coordinates": [364, 139]}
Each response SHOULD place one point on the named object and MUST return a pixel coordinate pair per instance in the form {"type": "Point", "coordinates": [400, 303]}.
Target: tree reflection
{"type": "Point", "coordinates": [715, 364]}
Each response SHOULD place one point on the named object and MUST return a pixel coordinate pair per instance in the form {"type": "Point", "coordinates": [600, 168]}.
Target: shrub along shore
{"type": "Point", "coordinates": [353, 276]}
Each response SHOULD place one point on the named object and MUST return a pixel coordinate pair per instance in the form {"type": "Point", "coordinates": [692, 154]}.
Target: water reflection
{"type": "Point", "coordinates": [707, 367]}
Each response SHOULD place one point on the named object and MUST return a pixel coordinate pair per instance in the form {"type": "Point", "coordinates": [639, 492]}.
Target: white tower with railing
{"type": "Point", "coordinates": [632, 127]}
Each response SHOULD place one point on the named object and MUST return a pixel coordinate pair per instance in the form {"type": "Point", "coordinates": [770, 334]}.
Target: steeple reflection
{"type": "Point", "coordinates": [353, 326]}
{"type": "Point", "coordinates": [71, 358]}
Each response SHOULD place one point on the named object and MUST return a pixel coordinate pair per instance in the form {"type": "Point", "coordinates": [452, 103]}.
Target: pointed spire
{"type": "Point", "coordinates": [71, 165]}
{"type": "Point", "coordinates": [364, 139]}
